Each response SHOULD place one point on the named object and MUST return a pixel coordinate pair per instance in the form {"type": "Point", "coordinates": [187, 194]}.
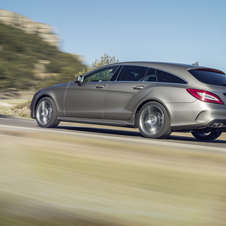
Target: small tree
{"type": "Point", "coordinates": [104, 60]}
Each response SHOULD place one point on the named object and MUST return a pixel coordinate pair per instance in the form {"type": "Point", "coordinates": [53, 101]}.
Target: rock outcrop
{"type": "Point", "coordinates": [44, 31]}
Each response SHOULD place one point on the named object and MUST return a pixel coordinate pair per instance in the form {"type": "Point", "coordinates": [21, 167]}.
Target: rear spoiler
{"type": "Point", "coordinates": [207, 69]}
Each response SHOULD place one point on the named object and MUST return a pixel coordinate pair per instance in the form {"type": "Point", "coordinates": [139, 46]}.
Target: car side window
{"type": "Point", "coordinates": [169, 78]}
{"type": "Point", "coordinates": [101, 75]}
{"type": "Point", "coordinates": [132, 73]}
{"type": "Point", "coordinates": [150, 77]}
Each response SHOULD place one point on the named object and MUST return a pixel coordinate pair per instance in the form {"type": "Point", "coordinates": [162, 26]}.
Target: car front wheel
{"type": "Point", "coordinates": [153, 121]}
{"type": "Point", "coordinates": [46, 113]}
{"type": "Point", "coordinates": [206, 136]}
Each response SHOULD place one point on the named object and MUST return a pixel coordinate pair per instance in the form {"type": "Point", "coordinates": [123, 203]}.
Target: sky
{"type": "Point", "coordinates": [177, 31]}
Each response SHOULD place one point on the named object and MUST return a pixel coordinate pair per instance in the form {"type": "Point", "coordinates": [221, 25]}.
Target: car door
{"type": "Point", "coordinates": [86, 101]}
{"type": "Point", "coordinates": [123, 95]}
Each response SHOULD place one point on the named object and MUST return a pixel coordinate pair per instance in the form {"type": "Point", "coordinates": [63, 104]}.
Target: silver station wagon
{"type": "Point", "coordinates": [157, 98]}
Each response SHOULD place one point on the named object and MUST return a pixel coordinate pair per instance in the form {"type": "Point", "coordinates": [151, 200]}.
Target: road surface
{"type": "Point", "coordinates": [91, 175]}
{"type": "Point", "coordinates": [180, 140]}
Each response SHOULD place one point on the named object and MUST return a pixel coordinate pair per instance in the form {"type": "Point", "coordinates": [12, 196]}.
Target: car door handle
{"type": "Point", "coordinates": [99, 86]}
{"type": "Point", "coordinates": [138, 87]}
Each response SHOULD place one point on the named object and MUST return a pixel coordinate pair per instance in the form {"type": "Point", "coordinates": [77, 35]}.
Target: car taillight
{"type": "Point", "coordinates": [205, 96]}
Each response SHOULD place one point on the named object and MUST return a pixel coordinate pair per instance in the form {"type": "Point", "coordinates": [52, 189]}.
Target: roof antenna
{"type": "Point", "coordinates": [196, 64]}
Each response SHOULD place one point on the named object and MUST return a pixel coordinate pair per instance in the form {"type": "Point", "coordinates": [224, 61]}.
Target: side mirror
{"type": "Point", "coordinates": [80, 80]}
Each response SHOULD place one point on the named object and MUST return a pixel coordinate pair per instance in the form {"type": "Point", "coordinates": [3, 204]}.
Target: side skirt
{"type": "Point", "coordinates": [129, 123]}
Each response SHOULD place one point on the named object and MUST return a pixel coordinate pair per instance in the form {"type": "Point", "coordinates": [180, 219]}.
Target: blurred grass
{"type": "Point", "coordinates": [53, 179]}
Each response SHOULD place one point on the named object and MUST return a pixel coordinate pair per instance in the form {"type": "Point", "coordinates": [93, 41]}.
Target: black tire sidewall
{"type": "Point", "coordinates": [165, 130]}
{"type": "Point", "coordinates": [209, 137]}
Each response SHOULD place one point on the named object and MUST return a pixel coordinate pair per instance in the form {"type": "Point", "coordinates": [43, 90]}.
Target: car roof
{"type": "Point", "coordinates": [159, 65]}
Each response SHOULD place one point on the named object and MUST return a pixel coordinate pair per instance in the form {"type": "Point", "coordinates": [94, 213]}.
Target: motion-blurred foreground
{"type": "Point", "coordinates": [52, 179]}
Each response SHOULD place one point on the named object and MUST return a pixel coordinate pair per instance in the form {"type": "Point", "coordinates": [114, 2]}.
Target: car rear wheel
{"type": "Point", "coordinates": [46, 113]}
{"type": "Point", "coordinates": [206, 136]}
{"type": "Point", "coordinates": [153, 121]}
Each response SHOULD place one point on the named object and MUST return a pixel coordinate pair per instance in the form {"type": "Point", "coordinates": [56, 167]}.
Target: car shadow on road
{"type": "Point", "coordinates": [101, 131]}
{"type": "Point", "coordinates": [192, 139]}
{"type": "Point", "coordinates": [5, 116]}
{"type": "Point", "coordinates": [128, 133]}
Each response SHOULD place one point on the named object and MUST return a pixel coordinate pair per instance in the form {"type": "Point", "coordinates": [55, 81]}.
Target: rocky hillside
{"type": "Point", "coordinates": [44, 31]}
{"type": "Point", "coordinates": [29, 62]}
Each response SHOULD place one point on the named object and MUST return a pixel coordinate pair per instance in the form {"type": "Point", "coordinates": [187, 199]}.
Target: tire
{"type": "Point", "coordinates": [46, 113]}
{"type": "Point", "coordinates": [206, 136]}
{"type": "Point", "coordinates": [153, 121]}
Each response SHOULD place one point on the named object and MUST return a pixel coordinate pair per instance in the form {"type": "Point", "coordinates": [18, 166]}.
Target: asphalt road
{"type": "Point", "coordinates": [90, 174]}
{"type": "Point", "coordinates": [176, 140]}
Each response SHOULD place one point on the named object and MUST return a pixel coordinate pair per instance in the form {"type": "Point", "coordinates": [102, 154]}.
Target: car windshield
{"type": "Point", "coordinates": [209, 77]}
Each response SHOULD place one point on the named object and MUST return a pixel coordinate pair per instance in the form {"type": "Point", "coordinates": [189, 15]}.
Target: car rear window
{"type": "Point", "coordinates": [209, 77]}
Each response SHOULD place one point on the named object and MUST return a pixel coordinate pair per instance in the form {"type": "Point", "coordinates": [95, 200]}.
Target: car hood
{"type": "Point", "coordinates": [62, 85]}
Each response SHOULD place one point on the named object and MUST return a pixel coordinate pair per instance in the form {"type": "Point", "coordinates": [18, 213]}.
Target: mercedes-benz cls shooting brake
{"type": "Point", "coordinates": [157, 98]}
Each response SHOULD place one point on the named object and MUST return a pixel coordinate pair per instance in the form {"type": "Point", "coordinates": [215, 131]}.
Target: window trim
{"type": "Point", "coordinates": [147, 73]}
{"type": "Point", "coordinates": [120, 68]}
{"type": "Point", "coordinates": [116, 74]}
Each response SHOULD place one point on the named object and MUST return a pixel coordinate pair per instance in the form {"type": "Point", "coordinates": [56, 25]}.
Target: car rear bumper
{"type": "Point", "coordinates": [199, 115]}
